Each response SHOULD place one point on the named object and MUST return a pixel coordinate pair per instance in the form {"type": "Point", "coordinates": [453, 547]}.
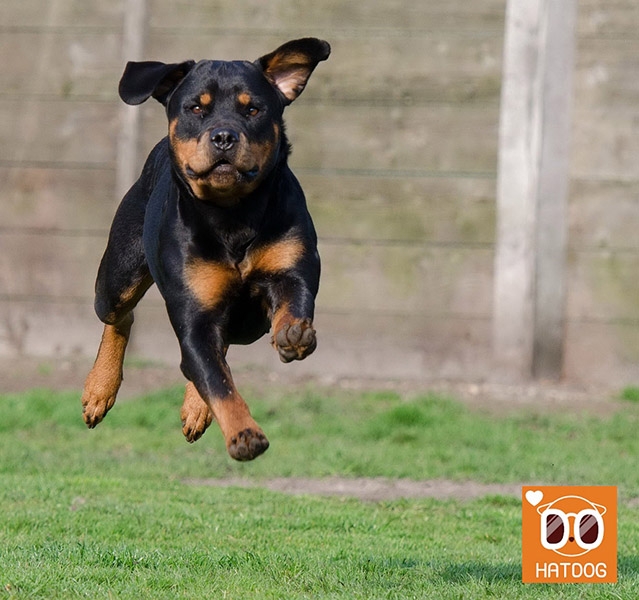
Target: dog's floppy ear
{"type": "Point", "coordinates": [289, 67]}
{"type": "Point", "coordinates": [141, 80]}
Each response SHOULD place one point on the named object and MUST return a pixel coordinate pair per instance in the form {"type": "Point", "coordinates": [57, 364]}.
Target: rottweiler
{"type": "Point", "coordinates": [219, 223]}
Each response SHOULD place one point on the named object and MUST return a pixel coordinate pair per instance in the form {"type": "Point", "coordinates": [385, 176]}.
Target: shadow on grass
{"type": "Point", "coordinates": [478, 571]}
{"type": "Point", "coordinates": [511, 572]}
{"type": "Point", "coordinates": [628, 566]}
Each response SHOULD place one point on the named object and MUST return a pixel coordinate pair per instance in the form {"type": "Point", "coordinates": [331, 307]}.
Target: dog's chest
{"type": "Point", "coordinates": [213, 281]}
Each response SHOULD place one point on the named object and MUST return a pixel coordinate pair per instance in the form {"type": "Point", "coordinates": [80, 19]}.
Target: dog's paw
{"type": "Point", "coordinates": [196, 417]}
{"type": "Point", "coordinates": [295, 340]}
{"type": "Point", "coordinates": [247, 444]}
{"type": "Point", "coordinates": [96, 402]}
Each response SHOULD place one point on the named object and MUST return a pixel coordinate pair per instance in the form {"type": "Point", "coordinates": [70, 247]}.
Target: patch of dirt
{"type": "Point", "coordinates": [374, 489]}
{"type": "Point", "coordinates": [19, 375]}
{"type": "Point", "coordinates": [23, 374]}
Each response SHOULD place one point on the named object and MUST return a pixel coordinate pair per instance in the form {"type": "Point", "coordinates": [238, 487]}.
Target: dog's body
{"type": "Point", "coordinates": [219, 222]}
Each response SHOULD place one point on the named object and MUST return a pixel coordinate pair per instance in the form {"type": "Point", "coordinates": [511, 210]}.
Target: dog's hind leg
{"type": "Point", "coordinates": [123, 278]}
{"type": "Point", "coordinates": [104, 379]}
{"type": "Point", "coordinates": [195, 414]}
{"type": "Point", "coordinates": [103, 382]}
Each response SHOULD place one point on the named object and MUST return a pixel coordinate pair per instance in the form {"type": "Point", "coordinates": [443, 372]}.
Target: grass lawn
{"type": "Point", "coordinates": [107, 513]}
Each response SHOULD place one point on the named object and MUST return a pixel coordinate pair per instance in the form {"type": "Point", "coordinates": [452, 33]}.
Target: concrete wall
{"type": "Point", "coordinates": [395, 143]}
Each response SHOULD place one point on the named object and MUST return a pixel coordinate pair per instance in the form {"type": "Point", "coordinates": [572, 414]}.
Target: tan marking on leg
{"type": "Point", "coordinates": [281, 315]}
{"type": "Point", "coordinates": [244, 438]}
{"type": "Point", "coordinates": [104, 379]}
{"type": "Point", "coordinates": [195, 414]}
{"type": "Point", "coordinates": [137, 289]}
{"type": "Point", "coordinates": [132, 294]}
{"type": "Point", "coordinates": [274, 258]}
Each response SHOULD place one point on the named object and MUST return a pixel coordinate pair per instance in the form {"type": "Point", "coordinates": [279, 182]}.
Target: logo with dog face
{"type": "Point", "coordinates": [571, 525]}
{"type": "Point", "coordinates": [569, 534]}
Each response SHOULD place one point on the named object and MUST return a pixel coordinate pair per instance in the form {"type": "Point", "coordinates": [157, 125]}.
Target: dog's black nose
{"type": "Point", "coordinates": [224, 139]}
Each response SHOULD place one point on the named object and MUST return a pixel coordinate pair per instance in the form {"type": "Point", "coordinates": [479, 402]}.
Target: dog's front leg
{"type": "Point", "coordinates": [292, 299]}
{"type": "Point", "coordinates": [294, 336]}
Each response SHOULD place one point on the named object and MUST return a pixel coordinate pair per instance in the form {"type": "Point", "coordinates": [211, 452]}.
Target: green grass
{"type": "Point", "coordinates": [106, 513]}
{"type": "Point", "coordinates": [630, 393]}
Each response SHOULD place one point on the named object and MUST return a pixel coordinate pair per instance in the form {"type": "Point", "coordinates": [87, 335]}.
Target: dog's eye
{"type": "Point", "coordinates": [197, 110]}
{"type": "Point", "coordinates": [252, 111]}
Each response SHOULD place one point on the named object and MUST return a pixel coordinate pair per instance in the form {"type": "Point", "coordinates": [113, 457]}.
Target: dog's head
{"type": "Point", "coordinates": [225, 117]}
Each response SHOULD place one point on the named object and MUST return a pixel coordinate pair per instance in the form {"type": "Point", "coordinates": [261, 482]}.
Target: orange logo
{"type": "Point", "coordinates": [569, 534]}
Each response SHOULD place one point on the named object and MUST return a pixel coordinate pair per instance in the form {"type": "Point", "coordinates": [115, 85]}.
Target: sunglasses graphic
{"type": "Point", "coordinates": [587, 529]}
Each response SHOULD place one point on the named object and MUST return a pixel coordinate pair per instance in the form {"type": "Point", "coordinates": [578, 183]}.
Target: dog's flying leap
{"type": "Point", "coordinates": [219, 223]}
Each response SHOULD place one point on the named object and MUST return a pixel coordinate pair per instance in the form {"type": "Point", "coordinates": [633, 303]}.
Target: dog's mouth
{"type": "Point", "coordinates": [223, 182]}
{"type": "Point", "coordinates": [223, 172]}
{"type": "Point", "coordinates": [218, 167]}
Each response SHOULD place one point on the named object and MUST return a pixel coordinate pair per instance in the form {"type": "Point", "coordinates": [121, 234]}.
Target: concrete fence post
{"type": "Point", "coordinates": [532, 188]}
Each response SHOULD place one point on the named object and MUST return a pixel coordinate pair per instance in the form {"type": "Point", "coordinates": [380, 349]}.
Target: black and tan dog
{"type": "Point", "coordinates": [219, 222]}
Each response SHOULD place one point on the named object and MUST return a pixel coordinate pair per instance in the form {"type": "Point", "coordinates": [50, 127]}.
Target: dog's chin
{"type": "Point", "coordinates": [223, 184]}
{"type": "Point", "coordinates": [224, 175]}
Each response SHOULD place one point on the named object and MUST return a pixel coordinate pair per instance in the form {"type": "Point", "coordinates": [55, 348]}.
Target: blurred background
{"type": "Point", "coordinates": [396, 141]}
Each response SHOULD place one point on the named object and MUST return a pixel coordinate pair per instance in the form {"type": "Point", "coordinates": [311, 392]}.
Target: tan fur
{"type": "Point", "coordinates": [231, 413]}
{"type": "Point", "coordinates": [289, 72]}
{"type": "Point", "coordinates": [197, 155]}
{"type": "Point", "coordinates": [281, 316]}
{"type": "Point", "coordinates": [233, 416]}
{"type": "Point", "coordinates": [190, 152]}
{"type": "Point", "coordinates": [135, 291]}
{"type": "Point", "coordinates": [103, 382]}
{"type": "Point", "coordinates": [209, 281]}
{"type": "Point", "coordinates": [195, 414]}
{"type": "Point", "coordinates": [274, 258]}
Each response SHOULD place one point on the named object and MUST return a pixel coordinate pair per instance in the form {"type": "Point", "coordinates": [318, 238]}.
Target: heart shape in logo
{"type": "Point", "coordinates": [534, 497]}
